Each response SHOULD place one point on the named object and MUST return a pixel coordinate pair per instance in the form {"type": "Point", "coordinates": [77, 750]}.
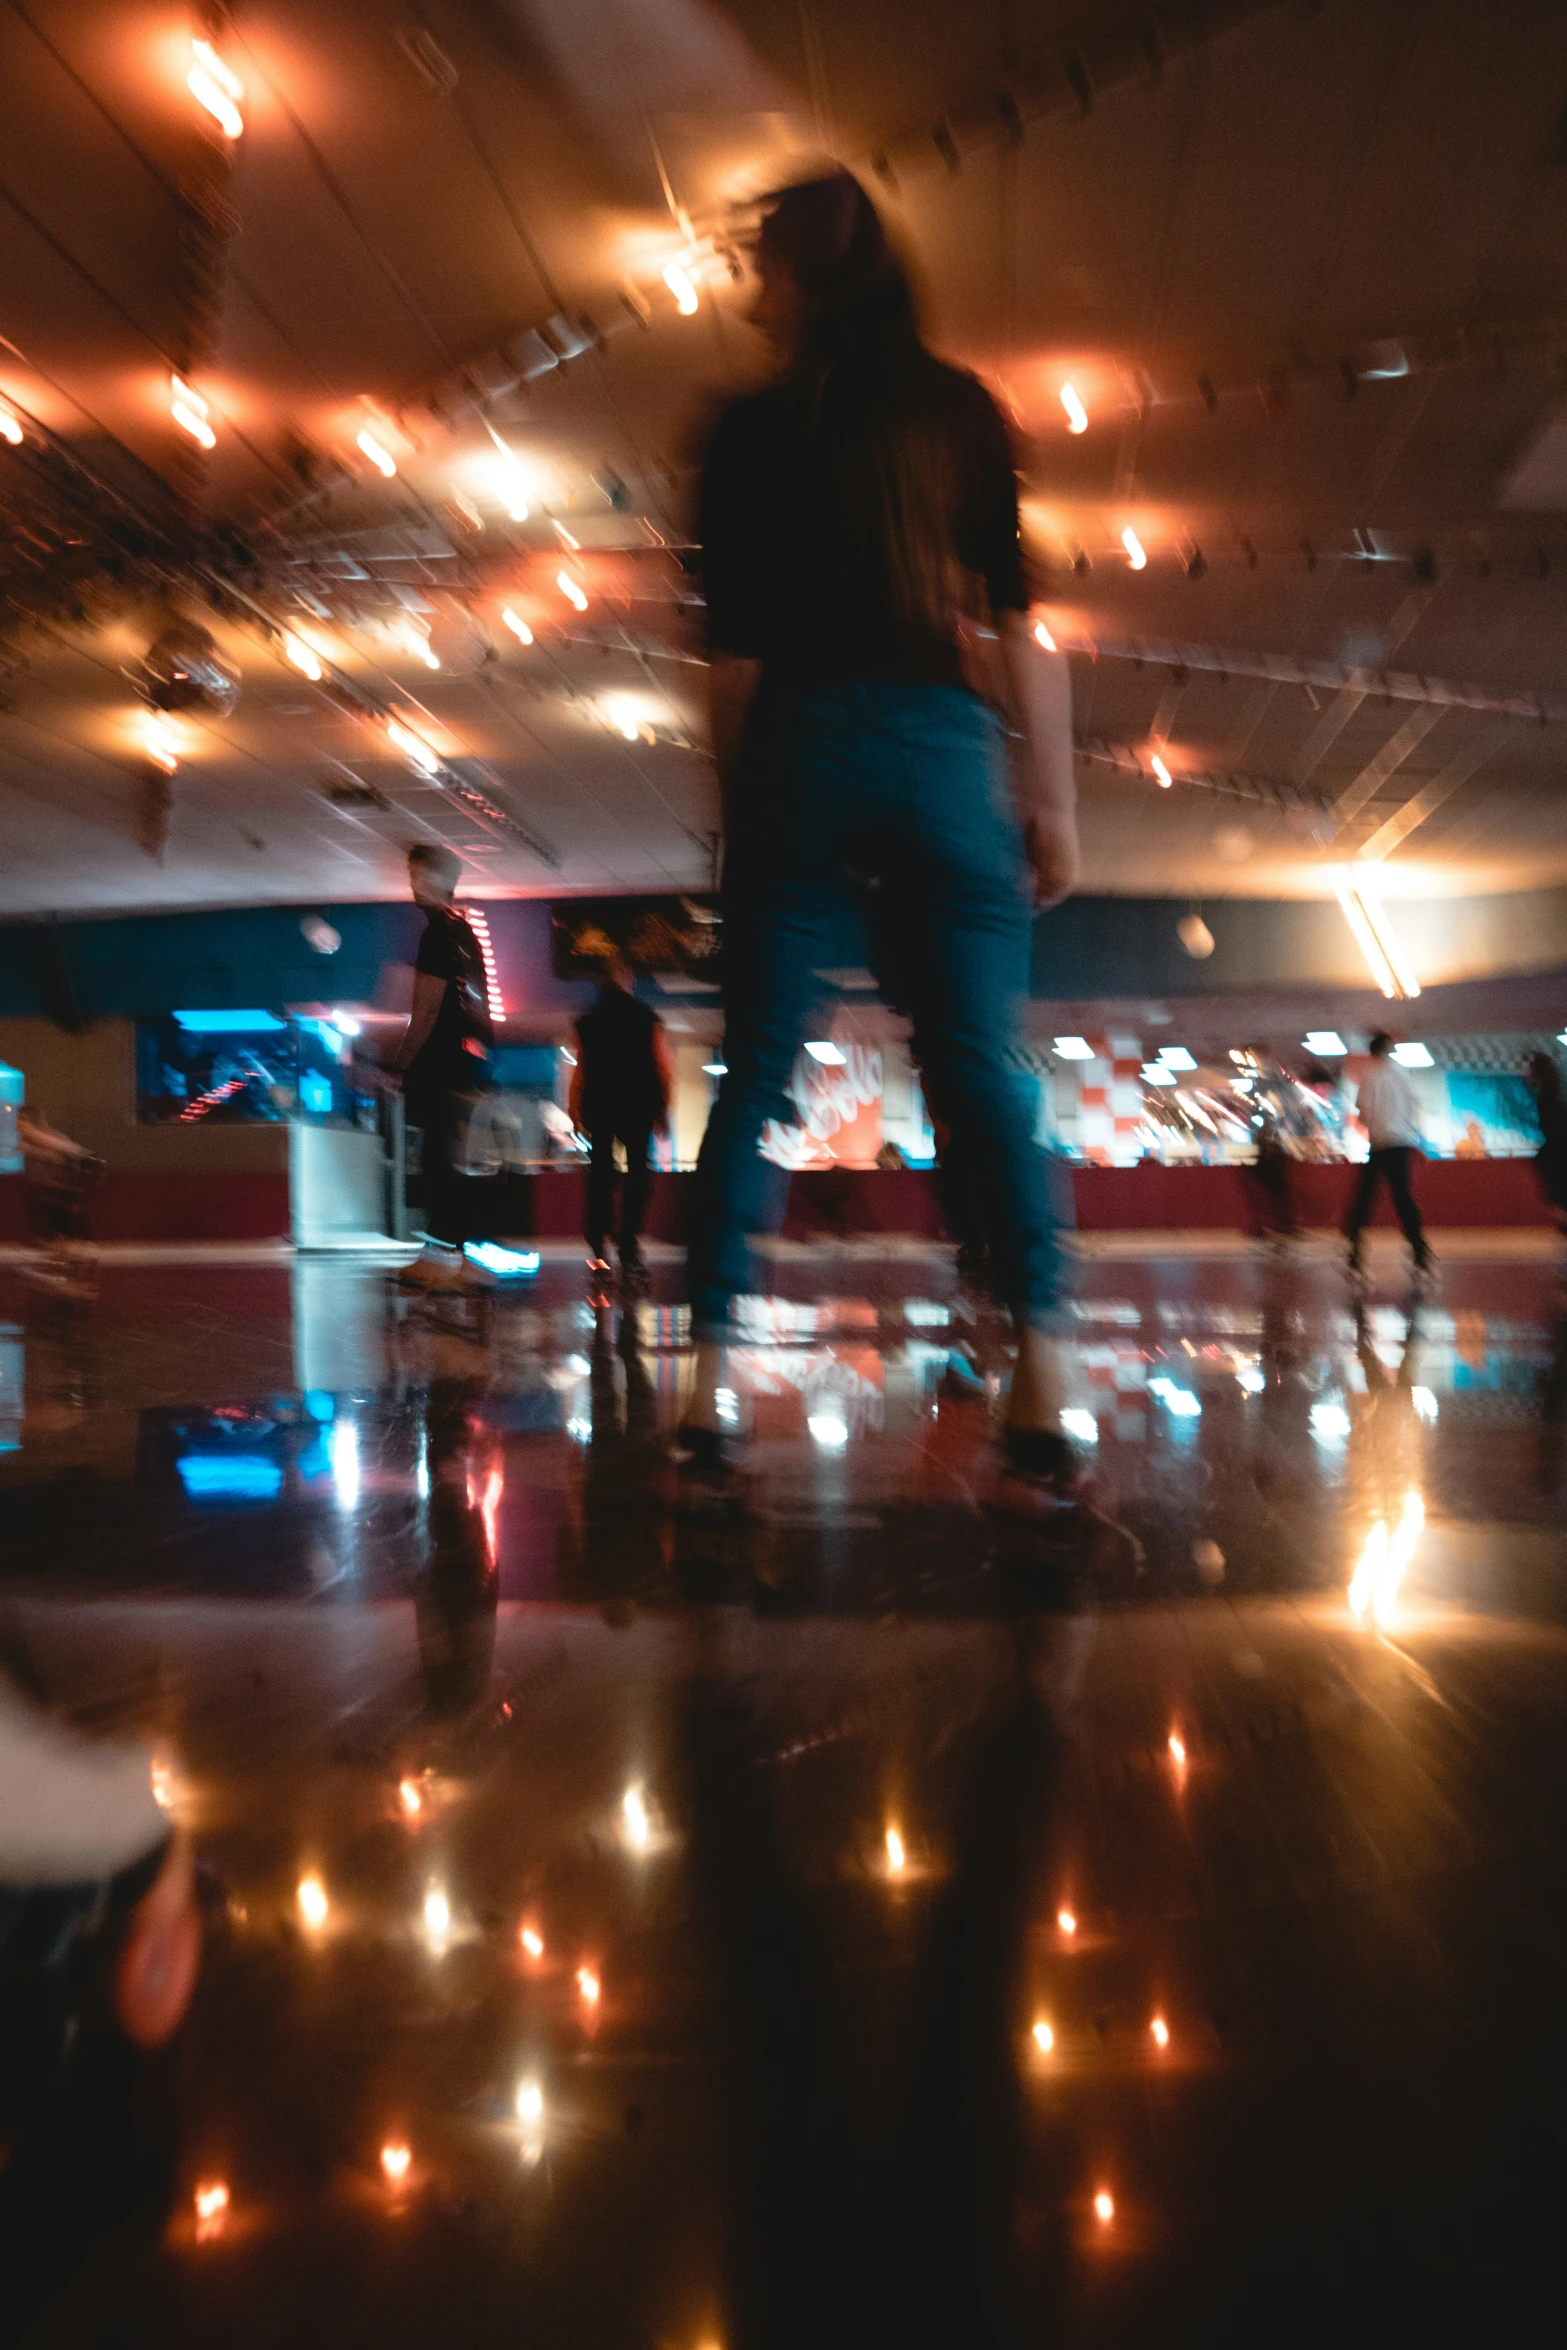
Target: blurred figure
{"type": "Point", "coordinates": [444, 1058]}
{"type": "Point", "coordinates": [1550, 1107]}
{"type": "Point", "coordinates": [620, 1092]}
{"type": "Point", "coordinates": [1386, 1103]}
{"type": "Point", "coordinates": [859, 526]}
{"type": "Point", "coordinates": [59, 1173]}
{"type": "Point", "coordinates": [1471, 1143]}
{"type": "Point", "coordinates": [1270, 1178]}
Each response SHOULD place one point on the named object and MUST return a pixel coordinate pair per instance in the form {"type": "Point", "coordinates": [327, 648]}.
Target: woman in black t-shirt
{"type": "Point", "coordinates": [445, 1055]}
{"type": "Point", "coordinates": [859, 527]}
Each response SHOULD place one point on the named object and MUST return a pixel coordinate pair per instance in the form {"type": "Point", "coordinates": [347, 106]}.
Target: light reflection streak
{"type": "Point", "coordinates": [1384, 1561]}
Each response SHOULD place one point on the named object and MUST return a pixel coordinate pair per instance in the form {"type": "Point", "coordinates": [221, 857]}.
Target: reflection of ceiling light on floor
{"type": "Point", "coordinates": [1082, 1425]}
{"type": "Point", "coordinates": [831, 1056]}
{"type": "Point", "coordinates": [829, 1429]}
{"type": "Point", "coordinates": [1074, 1048]}
{"type": "Point", "coordinates": [1329, 1423]}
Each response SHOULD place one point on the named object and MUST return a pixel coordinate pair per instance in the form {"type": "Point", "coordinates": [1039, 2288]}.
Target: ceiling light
{"type": "Point", "coordinates": [418, 755]}
{"type": "Point", "coordinates": [509, 482]}
{"type": "Point", "coordinates": [681, 287]}
{"type": "Point", "coordinates": [213, 86]}
{"type": "Point", "coordinates": [571, 590]}
{"type": "Point", "coordinates": [1161, 772]}
{"type": "Point", "coordinates": [189, 411]}
{"type": "Point", "coordinates": [1076, 413]}
{"type": "Point", "coordinates": [715, 1068]}
{"type": "Point", "coordinates": [10, 426]}
{"type": "Point", "coordinates": [379, 455]}
{"type": "Point", "coordinates": [1375, 936]}
{"type": "Point", "coordinates": [1042, 636]}
{"type": "Point", "coordinates": [622, 718]}
{"type": "Point", "coordinates": [1176, 1056]}
{"type": "Point", "coordinates": [564, 535]}
{"type": "Point", "coordinates": [1326, 1043]}
{"type": "Point", "coordinates": [162, 743]}
{"type": "Point", "coordinates": [303, 657]}
{"type": "Point", "coordinates": [1155, 1073]}
{"type": "Point", "coordinates": [831, 1056]}
{"type": "Point", "coordinates": [1074, 1048]}
{"type": "Point", "coordinates": [1413, 1056]}
{"type": "Point", "coordinates": [519, 628]}
{"type": "Point", "coordinates": [1134, 549]}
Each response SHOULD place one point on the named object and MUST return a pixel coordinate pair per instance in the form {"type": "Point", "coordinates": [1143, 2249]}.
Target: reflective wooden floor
{"type": "Point", "coordinates": [862, 1914]}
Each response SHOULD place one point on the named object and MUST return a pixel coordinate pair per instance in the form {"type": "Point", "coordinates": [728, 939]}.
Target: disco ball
{"type": "Point", "coordinates": [458, 641]}
{"type": "Point", "coordinates": [184, 670]}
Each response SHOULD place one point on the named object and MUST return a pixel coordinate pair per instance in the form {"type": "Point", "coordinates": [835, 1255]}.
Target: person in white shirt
{"type": "Point", "coordinates": [1386, 1103]}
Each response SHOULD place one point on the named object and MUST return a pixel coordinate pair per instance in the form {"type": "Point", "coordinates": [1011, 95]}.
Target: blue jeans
{"type": "Point", "coordinates": [896, 797]}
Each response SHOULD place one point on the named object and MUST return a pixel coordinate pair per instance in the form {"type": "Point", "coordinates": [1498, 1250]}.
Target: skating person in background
{"type": "Point", "coordinates": [1550, 1107]}
{"type": "Point", "coordinates": [1386, 1104]}
{"type": "Point", "coordinates": [59, 1173]}
{"type": "Point", "coordinates": [620, 1092]}
{"type": "Point", "coordinates": [444, 1059]}
{"type": "Point", "coordinates": [1276, 1127]}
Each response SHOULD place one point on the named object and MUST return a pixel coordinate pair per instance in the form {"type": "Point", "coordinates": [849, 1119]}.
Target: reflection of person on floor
{"type": "Point", "coordinates": [445, 1055]}
{"type": "Point", "coordinates": [1386, 1103]}
{"type": "Point", "coordinates": [857, 515]}
{"type": "Point", "coordinates": [620, 1092]}
{"type": "Point", "coordinates": [455, 1596]}
{"type": "Point", "coordinates": [57, 1175]}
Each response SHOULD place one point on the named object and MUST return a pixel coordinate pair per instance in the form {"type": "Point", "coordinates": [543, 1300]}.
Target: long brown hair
{"type": "Point", "coordinates": [879, 420]}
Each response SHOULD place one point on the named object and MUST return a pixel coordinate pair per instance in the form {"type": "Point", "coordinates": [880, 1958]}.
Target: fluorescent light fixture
{"type": "Point", "coordinates": [1326, 1043]}
{"type": "Point", "coordinates": [831, 1056]}
{"type": "Point", "coordinates": [1374, 935]}
{"type": "Point", "coordinates": [418, 755]}
{"type": "Point", "coordinates": [1176, 1056]}
{"type": "Point", "coordinates": [680, 285]}
{"type": "Point", "coordinates": [1074, 1048]}
{"type": "Point", "coordinates": [1156, 1073]}
{"type": "Point", "coordinates": [378, 453]}
{"type": "Point", "coordinates": [1414, 1056]}
{"type": "Point", "coordinates": [504, 1263]}
{"type": "Point", "coordinates": [1134, 549]}
{"type": "Point", "coordinates": [1076, 413]}
{"type": "Point", "coordinates": [229, 1023]}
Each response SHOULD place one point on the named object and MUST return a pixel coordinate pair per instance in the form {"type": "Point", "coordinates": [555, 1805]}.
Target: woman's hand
{"type": "Point", "coordinates": [1050, 844]}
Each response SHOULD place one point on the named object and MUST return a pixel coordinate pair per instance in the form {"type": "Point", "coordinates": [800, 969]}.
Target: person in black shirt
{"type": "Point", "coordinates": [866, 612]}
{"type": "Point", "coordinates": [445, 1054]}
{"type": "Point", "coordinates": [620, 1091]}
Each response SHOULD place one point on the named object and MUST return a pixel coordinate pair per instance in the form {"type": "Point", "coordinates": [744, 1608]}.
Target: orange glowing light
{"type": "Point", "coordinates": [214, 86]}
{"type": "Point", "coordinates": [571, 590]}
{"type": "Point", "coordinates": [1161, 2032]}
{"type": "Point", "coordinates": [589, 1987]}
{"type": "Point", "coordinates": [1044, 2037]}
{"type": "Point", "coordinates": [532, 1943]}
{"type": "Point", "coordinates": [1066, 1922]}
{"type": "Point", "coordinates": [313, 1904]}
{"type": "Point", "coordinates": [897, 1857]}
{"type": "Point", "coordinates": [1104, 2207]}
{"type": "Point", "coordinates": [10, 426]}
{"type": "Point", "coordinates": [395, 2159]}
{"type": "Point", "coordinates": [1043, 637]}
{"type": "Point", "coordinates": [1177, 1750]}
{"type": "Point", "coordinates": [1161, 772]}
{"type": "Point", "coordinates": [518, 626]}
{"type": "Point", "coordinates": [1076, 413]}
{"type": "Point", "coordinates": [409, 1797]}
{"type": "Point", "coordinates": [212, 2202]}
{"type": "Point", "coordinates": [1134, 549]}
{"type": "Point", "coordinates": [379, 455]}
{"type": "Point", "coordinates": [190, 412]}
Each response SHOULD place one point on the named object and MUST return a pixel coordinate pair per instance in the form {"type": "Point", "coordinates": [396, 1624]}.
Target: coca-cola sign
{"type": "Point", "coordinates": [839, 1112]}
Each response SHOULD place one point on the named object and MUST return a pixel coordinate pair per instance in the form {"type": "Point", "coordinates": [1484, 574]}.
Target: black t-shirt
{"type": "Point", "coordinates": [787, 580]}
{"type": "Point", "coordinates": [620, 1077]}
{"type": "Point", "coordinates": [454, 1057]}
